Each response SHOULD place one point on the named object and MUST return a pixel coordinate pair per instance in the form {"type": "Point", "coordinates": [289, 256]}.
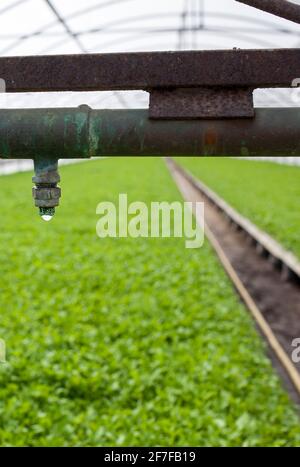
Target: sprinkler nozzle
{"type": "Point", "coordinates": [47, 213]}
{"type": "Point", "coordinates": [46, 193]}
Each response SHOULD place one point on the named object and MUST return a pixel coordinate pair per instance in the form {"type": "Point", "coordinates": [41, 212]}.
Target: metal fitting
{"type": "Point", "coordinates": [46, 193]}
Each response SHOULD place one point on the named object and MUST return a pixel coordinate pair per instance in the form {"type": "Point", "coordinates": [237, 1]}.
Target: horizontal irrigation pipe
{"type": "Point", "coordinates": [51, 134]}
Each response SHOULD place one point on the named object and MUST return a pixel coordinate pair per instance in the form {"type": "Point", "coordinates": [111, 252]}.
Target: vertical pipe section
{"type": "Point", "coordinates": [44, 134]}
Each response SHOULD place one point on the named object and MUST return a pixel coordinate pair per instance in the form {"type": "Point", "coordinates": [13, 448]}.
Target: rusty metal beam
{"type": "Point", "coordinates": [50, 134]}
{"type": "Point", "coordinates": [151, 70]}
{"type": "Point", "coordinates": [281, 8]}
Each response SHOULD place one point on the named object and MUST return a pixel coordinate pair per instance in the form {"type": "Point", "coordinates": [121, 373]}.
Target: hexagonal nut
{"type": "Point", "coordinates": [46, 197]}
{"type": "Point", "coordinates": [51, 176]}
{"type": "Point", "coordinates": [46, 193]}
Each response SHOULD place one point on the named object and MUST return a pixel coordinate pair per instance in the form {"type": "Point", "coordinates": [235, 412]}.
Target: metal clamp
{"type": "Point", "coordinates": [204, 102]}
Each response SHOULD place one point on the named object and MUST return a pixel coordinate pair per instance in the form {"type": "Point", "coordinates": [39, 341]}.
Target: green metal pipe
{"type": "Point", "coordinates": [45, 134]}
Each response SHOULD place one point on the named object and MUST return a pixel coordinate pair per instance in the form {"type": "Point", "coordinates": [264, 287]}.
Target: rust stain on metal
{"type": "Point", "coordinates": [210, 137]}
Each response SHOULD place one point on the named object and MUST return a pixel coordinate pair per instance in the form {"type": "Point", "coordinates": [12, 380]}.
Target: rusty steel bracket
{"type": "Point", "coordinates": [202, 102]}
{"type": "Point", "coordinates": [188, 85]}
{"type": "Point", "coordinates": [182, 85]}
{"type": "Point", "coordinates": [282, 8]}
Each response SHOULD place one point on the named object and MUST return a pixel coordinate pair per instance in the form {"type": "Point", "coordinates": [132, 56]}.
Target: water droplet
{"type": "Point", "coordinates": [46, 218]}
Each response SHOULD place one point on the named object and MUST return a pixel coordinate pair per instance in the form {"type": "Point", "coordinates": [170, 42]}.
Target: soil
{"type": "Point", "coordinates": [277, 299]}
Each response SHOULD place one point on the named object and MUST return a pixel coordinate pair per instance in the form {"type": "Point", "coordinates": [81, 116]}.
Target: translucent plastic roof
{"type": "Point", "coordinates": [33, 27]}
